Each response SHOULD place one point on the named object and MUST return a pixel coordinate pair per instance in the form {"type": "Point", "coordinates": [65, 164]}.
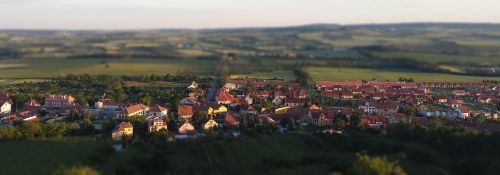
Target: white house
{"type": "Point", "coordinates": [5, 108]}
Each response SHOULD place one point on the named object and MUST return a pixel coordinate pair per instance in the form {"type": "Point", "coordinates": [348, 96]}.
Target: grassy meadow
{"type": "Point", "coordinates": [285, 75]}
{"type": "Point", "coordinates": [442, 58]}
{"type": "Point", "coordinates": [325, 73]}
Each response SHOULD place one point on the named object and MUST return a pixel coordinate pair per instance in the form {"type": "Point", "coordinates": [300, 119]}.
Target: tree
{"type": "Point", "coordinates": [74, 115]}
{"type": "Point", "coordinates": [86, 126]}
{"type": "Point", "coordinates": [147, 100]}
{"type": "Point", "coordinates": [480, 118]}
{"type": "Point", "coordinates": [19, 100]}
{"type": "Point", "coordinates": [339, 124]}
{"type": "Point", "coordinates": [197, 117]}
{"type": "Point", "coordinates": [31, 129]}
{"type": "Point", "coordinates": [356, 119]}
{"type": "Point", "coordinates": [8, 132]}
{"type": "Point", "coordinates": [366, 165]}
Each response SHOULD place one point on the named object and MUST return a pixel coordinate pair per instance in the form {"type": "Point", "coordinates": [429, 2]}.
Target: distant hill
{"type": "Point", "coordinates": [484, 26]}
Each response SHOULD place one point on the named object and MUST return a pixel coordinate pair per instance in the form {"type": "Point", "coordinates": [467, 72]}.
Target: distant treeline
{"type": "Point", "coordinates": [87, 89]}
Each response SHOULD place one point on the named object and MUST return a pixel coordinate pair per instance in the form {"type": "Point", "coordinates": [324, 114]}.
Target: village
{"type": "Point", "coordinates": [327, 107]}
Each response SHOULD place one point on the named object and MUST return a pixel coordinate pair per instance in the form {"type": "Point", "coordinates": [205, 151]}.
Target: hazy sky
{"type": "Point", "coordinates": [148, 14]}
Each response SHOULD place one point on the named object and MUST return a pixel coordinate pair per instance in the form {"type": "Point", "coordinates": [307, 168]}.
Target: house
{"type": "Point", "coordinates": [158, 111]}
{"type": "Point", "coordinates": [231, 122]}
{"type": "Point", "coordinates": [59, 101]}
{"type": "Point", "coordinates": [435, 113]}
{"type": "Point", "coordinates": [28, 113]}
{"type": "Point", "coordinates": [459, 92]}
{"type": "Point", "coordinates": [320, 118]}
{"type": "Point", "coordinates": [210, 108]}
{"type": "Point", "coordinates": [157, 124]}
{"type": "Point", "coordinates": [230, 86]}
{"type": "Point", "coordinates": [264, 94]}
{"type": "Point", "coordinates": [314, 107]}
{"type": "Point", "coordinates": [5, 107]}
{"type": "Point", "coordinates": [398, 118]}
{"type": "Point", "coordinates": [374, 121]}
{"type": "Point", "coordinates": [193, 85]}
{"type": "Point", "coordinates": [121, 130]}
{"type": "Point", "coordinates": [185, 112]}
{"type": "Point", "coordinates": [298, 93]}
{"type": "Point", "coordinates": [189, 100]}
{"type": "Point", "coordinates": [211, 123]}
{"type": "Point", "coordinates": [137, 109]}
{"type": "Point", "coordinates": [454, 104]}
{"type": "Point", "coordinates": [485, 100]}
{"type": "Point", "coordinates": [463, 112]}
{"type": "Point", "coordinates": [378, 107]}
{"type": "Point", "coordinates": [226, 98]}
{"type": "Point", "coordinates": [441, 99]}
{"type": "Point", "coordinates": [107, 109]}
{"type": "Point", "coordinates": [331, 84]}
{"type": "Point", "coordinates": [278, 101]}
{"type": "Point", "coordinates": [186, 128]}
{"type": "Point", "coordinates": [32, 102]}
{"type": "Point", "coordinates": [294, 102]}
{"type": "Point", "coordinates": [248, 110]}
{"type": "Point", "coordinates": [346, 95]}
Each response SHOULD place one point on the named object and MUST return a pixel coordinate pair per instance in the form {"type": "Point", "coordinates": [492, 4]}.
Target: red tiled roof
{"type": "Point", "coordinates": [326, 84]}
{"type": "Point", "coordinates": [231, 120]}
{"type": "Point", "coordinates": [314, 107]}
{"type": "Point", "coordinates": [185, 110]}
{"type": "Point", "coordinates": [135, 108]}
{"type": "Point", "coordinates": [464, 109]}
{"type": "Point", "coordinates": [121, 126]}
{"type": "Point", "coordinates": [374, 119]}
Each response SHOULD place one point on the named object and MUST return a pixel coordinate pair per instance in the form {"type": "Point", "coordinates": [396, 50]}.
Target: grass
{"type": "Point", "coordinates": [47, 68]}
{"type": "Point", "coordinates": [44, 156]}
{"type": "Point", "coordinates": [155, 84]}
{"type": "Point", "coordinates": [286, 75]}
{"type": "Point", "coordinates": [441, 58]}
{"type": "Point", "coordinates": [325, 73]}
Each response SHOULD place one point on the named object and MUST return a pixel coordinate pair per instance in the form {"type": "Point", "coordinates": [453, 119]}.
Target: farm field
{"type": "Point", "coordinates": [285, 75]}
{"type": "Point", "coordinates": [323, 73]}
{"type": "Point", "coordinates": [441, 58]}
{"type": "Point", "coordinates": [47, 68]}
{"type": "Point", "coordinates": [45, 156]}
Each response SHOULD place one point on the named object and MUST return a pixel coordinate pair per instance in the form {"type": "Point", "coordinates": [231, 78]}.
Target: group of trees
{"type": "Point", "coordinates": [87, 89]}
{"type": "Point", "coordinates": [30, 130]}
{"type": "Point", "coordinates": [470, 151]}
{"type": "Point", "coordinates": [366, 165]}
{"type": "Point", "coordinates": [303, 77]}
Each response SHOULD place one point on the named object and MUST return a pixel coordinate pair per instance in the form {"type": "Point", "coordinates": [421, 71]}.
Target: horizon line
{"type": "Point", "coordinates": [246, 27]}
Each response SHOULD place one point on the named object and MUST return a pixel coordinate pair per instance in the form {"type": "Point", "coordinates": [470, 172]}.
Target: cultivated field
{"type": "Point", "coordinates": [321, 73]}
{"type": "Point", "coordinates": [48, 68]}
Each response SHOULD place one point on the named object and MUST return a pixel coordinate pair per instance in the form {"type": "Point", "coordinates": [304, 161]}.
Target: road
{"type": "Point", "coordinates": [215, 84]}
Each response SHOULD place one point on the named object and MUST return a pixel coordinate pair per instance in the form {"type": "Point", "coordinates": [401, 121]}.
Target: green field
{"type": "Point", "coordinates": [441, 58]}
{"type": "Point", "coordinates": [47, 68]}
{"type": "Point", "coordinates": [286, 75]}
{"type": "Point", "coordinates": [324, 73]}
{"type": "Point", "coordinates": [44, 157]}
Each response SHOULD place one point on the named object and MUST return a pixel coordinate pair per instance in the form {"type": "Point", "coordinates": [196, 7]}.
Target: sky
{"type": "Point", "coordinates": [154, 14]}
